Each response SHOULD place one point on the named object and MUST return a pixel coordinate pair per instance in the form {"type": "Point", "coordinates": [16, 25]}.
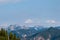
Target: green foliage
{"type": "Point", "coordinates": [4, 35]}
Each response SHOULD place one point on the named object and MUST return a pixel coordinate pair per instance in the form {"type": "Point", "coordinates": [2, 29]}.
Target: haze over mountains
{"type": "Point", "coordinates": [29, 33]}
{"type": "Point", "coordinates": [35, 32]}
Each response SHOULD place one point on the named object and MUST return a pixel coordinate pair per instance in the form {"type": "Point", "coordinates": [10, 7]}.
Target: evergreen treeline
{"type": "Point", "coordinates": [4, 35]}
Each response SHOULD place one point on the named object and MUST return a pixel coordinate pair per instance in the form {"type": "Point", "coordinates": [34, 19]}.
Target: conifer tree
{"type": "Point", "coordinates": [11, 36]}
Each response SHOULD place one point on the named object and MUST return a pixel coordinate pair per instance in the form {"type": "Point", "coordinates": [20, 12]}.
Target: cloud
{"type": "Point", "coordinates": [51, 21]}
{"type": "Point", "coordinates": [4, 24]}
{"type": "Point", "coordinates": [9, 1]}
{"type": "Point", "coordinates": [29, 21]}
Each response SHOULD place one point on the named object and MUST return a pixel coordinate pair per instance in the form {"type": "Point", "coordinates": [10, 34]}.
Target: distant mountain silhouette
{"type": "Point", "coordinates": [37, 33]}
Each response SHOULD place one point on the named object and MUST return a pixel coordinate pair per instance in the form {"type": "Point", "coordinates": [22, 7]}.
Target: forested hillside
{"type": "Point", "coordinates": [49, 34]}
{"type": "Point", "coordinates": [5, 36]}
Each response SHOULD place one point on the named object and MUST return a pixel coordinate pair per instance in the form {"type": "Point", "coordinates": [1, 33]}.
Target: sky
{"type": "Point", "coordinates": [30, 12]}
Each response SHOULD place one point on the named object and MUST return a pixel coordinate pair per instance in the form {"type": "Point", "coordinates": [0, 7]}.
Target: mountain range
{"type": "Point", "coordinates": [35, 32]}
